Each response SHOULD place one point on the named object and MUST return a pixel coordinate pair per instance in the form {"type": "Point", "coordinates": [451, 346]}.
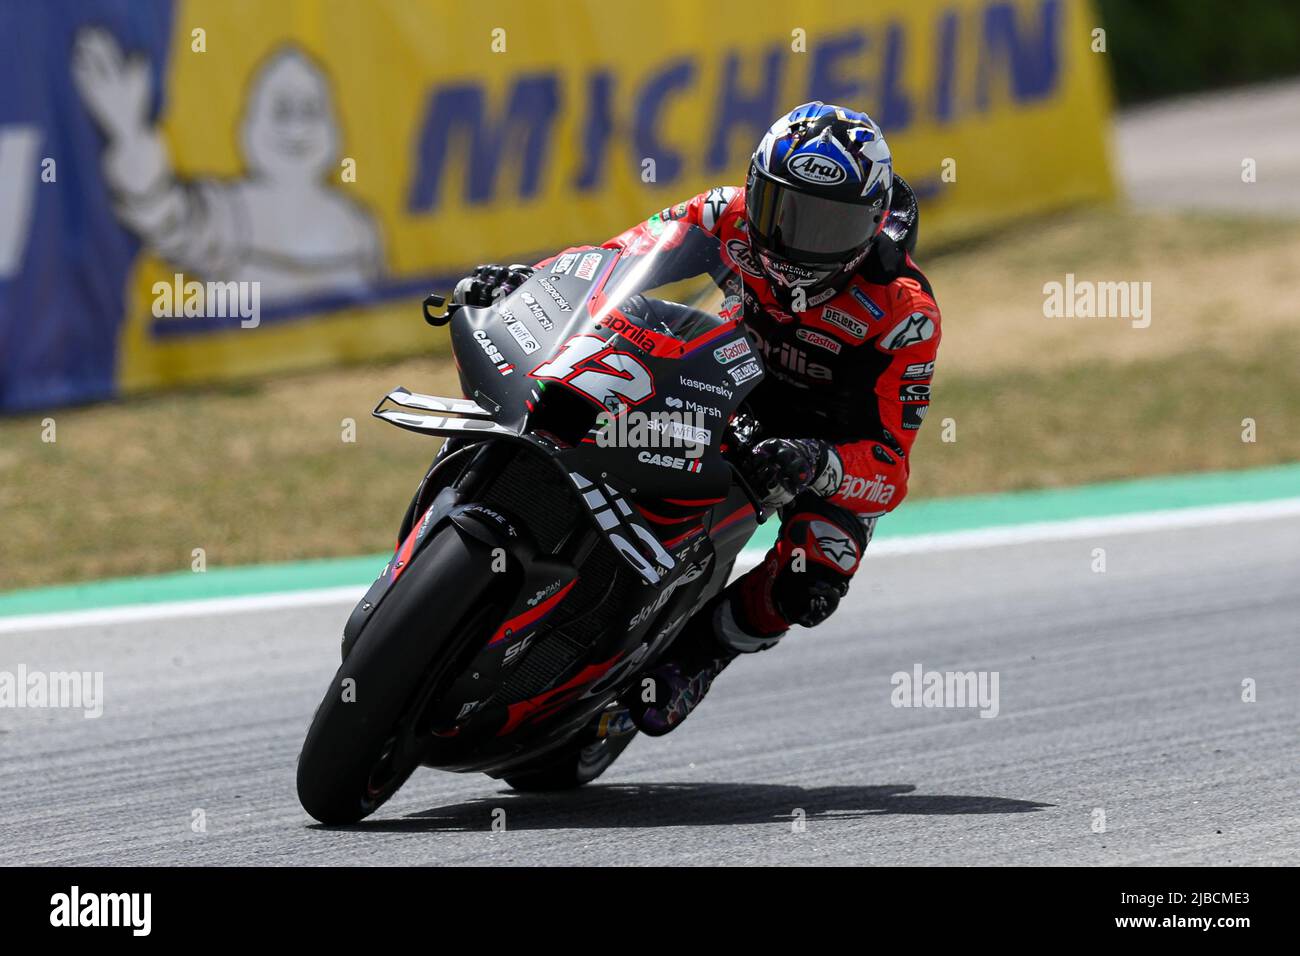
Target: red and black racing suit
{"type": "Point", "coordinates": [853, 369]}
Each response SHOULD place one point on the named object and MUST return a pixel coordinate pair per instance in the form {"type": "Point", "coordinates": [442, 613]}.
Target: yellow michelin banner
{"type": "Point", "coordinates": [316, 165]}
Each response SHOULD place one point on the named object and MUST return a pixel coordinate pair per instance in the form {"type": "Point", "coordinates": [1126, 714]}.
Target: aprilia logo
{"type": "Point", "coordinates": [638, 336]}
{"type": "Point", "coordinates": [874, 490]}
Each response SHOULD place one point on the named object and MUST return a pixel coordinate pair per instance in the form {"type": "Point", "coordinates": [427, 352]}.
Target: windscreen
{"type": "Point", "coordinates": [675, 283]}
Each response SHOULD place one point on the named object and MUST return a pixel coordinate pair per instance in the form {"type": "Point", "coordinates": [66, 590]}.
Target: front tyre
{"type": "Point", "coordinates": [365, 740]}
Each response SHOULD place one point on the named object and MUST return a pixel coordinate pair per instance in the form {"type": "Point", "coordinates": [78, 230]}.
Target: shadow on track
{"type": "Point", "coordinates": [610, 806]}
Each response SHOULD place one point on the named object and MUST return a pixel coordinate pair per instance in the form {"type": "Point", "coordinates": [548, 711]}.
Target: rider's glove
{"type": "Point", "coordinates": [487, 283]}
{"type": "Point", "coordinates": [779, 469]}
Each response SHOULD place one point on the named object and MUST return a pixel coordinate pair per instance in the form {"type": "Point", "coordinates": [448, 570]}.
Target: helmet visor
{"type": "Point", "coordinates": [804, 228]}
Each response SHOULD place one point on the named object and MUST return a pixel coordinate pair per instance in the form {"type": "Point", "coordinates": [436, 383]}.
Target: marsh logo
{"type": "Point", "coordinates": [819, 170]}
{"type": "Point", "coordinates": [538, 312]}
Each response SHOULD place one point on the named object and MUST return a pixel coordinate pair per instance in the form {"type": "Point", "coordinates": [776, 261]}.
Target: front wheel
{"type": "Point", "coordinates": [366, 738]}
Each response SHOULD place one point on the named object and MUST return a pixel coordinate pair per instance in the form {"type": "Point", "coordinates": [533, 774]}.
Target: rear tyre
{"type": "Point", "coordinates": [364, 741]}
{"type": "Point", "coordinates": [578, 763]}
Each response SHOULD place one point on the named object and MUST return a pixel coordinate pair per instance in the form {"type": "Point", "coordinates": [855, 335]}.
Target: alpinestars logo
{"type": "Point", "coordinates": [876, 489]}
{"type": "Point", "coordinates": [917, 327]}
{"type": "Point", "coordinates": [835, 544]}
{"type": "Point", "coordinates": [715, 204]}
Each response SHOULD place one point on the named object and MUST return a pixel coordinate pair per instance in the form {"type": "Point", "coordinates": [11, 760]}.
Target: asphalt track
{"type": "Point", "coordinates": [1118, 691]}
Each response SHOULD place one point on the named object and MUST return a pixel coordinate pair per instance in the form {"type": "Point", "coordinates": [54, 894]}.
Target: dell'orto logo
{"type": "Point", "coordinates": [818, 169]}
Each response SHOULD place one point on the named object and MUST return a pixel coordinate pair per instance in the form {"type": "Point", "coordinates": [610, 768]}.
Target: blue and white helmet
{"type": "Point", "coordinates": [817, 195]}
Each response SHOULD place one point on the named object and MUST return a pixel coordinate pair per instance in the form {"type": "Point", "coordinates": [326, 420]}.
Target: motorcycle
{"type": "Point", "coordinates": [547, 560]}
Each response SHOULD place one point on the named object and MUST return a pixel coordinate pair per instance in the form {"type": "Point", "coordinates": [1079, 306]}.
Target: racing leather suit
{"type": "Point", "coordinates": [853, 369]}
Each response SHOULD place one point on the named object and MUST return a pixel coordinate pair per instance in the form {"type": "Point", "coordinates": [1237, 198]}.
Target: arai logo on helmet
{"type": "Point", "coordinates": [743, 256]}
{"type": "Point", "coordinates": [817, 169]}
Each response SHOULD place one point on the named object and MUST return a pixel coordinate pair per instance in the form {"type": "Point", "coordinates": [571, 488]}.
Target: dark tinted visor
{"type": "Point", "coordinates": [804, 228]}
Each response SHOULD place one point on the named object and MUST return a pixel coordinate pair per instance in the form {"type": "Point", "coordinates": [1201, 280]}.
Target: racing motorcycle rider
{"type": "Point", "coordinates": [823, 231]}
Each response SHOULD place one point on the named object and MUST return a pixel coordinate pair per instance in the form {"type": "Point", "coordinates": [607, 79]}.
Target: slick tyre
{"type": "Point", "coordinates": [576, 764]}
{"type": "Point", "coordinates": [364, 741]}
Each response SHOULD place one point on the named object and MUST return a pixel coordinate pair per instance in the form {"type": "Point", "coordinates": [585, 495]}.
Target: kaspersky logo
{"type": "Point", "coordinates": [875, 490]}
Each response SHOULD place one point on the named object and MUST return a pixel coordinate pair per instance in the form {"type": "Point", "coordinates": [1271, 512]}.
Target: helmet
{"type": "Point", "coordinates": [818, 191]}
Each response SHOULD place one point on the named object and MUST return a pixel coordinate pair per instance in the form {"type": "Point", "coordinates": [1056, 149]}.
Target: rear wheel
{"type": "Point", "coordinates": [577, 763]}
{"type": "Point", "coordinates": [366, 738]}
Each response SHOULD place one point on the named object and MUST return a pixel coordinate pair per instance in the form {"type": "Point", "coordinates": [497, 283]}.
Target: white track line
{"type": "Point", "coordinates": [200, 607]}
{"type": "Point", "coordinates": [1066, 530]}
